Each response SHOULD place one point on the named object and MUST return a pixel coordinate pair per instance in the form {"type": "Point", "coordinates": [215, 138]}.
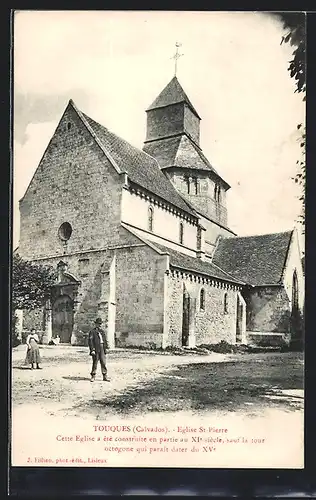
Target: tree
{"type": "Point", "coordinates": [31, 284]}
{"type": "Point", "coordinates": [294, 24]}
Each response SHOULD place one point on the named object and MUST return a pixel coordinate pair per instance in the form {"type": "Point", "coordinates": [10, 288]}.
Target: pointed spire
{"type": "Point", "coordinates": [173, 93]}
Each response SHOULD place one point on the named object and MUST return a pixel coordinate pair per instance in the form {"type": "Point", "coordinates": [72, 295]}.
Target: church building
{"type": "Point", "coordinates": [141, 239]}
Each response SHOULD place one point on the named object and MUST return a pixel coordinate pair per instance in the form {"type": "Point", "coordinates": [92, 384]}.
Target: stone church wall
{"type": "Point", "coordinates": [294, 263]}
{"type": "Point", "coordinates": [211, 325]}
{"type": "Point", "coordinates": [165, 224]}
{"type": "Point", "coordinates": [213, 231]}
{"type": "Point", "coordinates": [86, 267]}
{"type": "Point", "coordinates": [140, 275]}
{"type": "Point", "coordinates": [161, 241]}
{"type": "Point", "coordinates": [210, 207]}
{"type": "Point", "coordinates": [74, 183]}
{"type": "Point", "coordinates": [204, 199]}
{"type": "Point", "coordinates": [268, 310]}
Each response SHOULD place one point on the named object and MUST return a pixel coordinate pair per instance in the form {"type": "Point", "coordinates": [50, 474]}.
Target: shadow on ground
{"type": "Point", "coordinates": [76, 378]}
{"type": "Point", "coordinates": [247, 385]}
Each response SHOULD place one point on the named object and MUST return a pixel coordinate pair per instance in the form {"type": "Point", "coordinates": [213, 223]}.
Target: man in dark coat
{"type": "Point", "coordinates": [98, 346]}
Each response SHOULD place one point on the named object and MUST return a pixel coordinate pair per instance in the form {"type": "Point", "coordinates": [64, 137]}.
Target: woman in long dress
{"type": "Point", "coordinates": [33, 356]}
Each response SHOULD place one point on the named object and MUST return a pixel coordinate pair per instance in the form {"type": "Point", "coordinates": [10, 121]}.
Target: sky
{"type": "Point", "coordinates": [113, 64]}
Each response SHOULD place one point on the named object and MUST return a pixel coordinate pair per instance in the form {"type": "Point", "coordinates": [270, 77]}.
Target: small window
{"type": "Point", "coordinates": [202, 300]}
{"type": "Point", "coordinates": [217, 192]}
{"type": "Point", "coordinates": [65, 231]}
{"type": "Point", "coordinates": [181, 233]}
{"type": "Point", "coordinates": [68, 126]}
{"type": "Point", "coordinates": [150, 219]}
{"type": "Point", "coordinates": [188, 184]}
{"type": "Point", "coordinates": [196, 185]}
{"type": "Point", "coordinates": [225, 303]}
{"type": "Point", "coordinates": [83, 267]}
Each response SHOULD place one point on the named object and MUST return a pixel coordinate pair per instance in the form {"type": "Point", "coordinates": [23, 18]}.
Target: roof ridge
{"type": "Point", "coordinates": [257, 235]}
{"type": "Point", "coordinates": [119, 137]}
{"type": "Point", "coordinates": [84, 117]}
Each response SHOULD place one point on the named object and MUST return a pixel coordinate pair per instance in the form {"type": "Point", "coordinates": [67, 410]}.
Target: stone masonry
{"type": "Point", "coordinates": [76, 217]}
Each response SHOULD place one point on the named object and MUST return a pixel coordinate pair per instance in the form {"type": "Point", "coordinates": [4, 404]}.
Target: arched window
{"type": "Point", "coordinates": [181, 233]}
{"type": "Point", "coordinates": [196, 185]}
{"type": "Point", "coordinates": [217, 192]}
{"type": "Point", "coordinates": [202, 299]}
{"type": "Point", "coordinates": [188, 184]}
{"type": "Point", "coordinates": [150, 218]}
{"type": "Point", "coordinates": [294, 292]}
{"type": "Point", "coordinates": [225, 303]}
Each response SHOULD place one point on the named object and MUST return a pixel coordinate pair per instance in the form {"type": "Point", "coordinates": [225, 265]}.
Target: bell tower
{"type": "Point", "coordinates": [172, 114]}
{"type": "Point", "coordinates": [173, 138]}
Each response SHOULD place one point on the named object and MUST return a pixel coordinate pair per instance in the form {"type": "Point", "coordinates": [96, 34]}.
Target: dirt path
{"type": "Point", "coordinates": [149, 381]}
{"type": "Point", "coordinates": [64, 381]}
{"type": "Point", "coordinates": [254, 396]}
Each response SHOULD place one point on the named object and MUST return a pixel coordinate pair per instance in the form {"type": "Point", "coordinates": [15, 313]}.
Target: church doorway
{"type": "Point", "coordinates": [63, 318]}
{"type": "Point", "coordinates": [188, 319]}
{"type": "Point", "coordinates": [239, 320]}
{"type": "Point", "coordinates": [185, 319]}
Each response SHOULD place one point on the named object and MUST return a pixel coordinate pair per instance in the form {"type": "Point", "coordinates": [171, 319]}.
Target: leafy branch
{"type": "Point", "coordinates": [31, 284]}
{"type": "Point", "coordinates": [295, 26]}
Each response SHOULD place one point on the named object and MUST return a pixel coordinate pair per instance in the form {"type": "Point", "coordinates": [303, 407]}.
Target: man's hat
{"type": "Point", "coordinates": [98, 321]}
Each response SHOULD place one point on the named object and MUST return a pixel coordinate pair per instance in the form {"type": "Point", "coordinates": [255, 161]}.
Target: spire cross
{"type": "Point", "coordinates": [176, 57]}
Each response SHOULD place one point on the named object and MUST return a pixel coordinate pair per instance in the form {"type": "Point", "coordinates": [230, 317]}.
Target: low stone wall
{"type": "Point", "coordinates": [267, 339]}
{"type": "Point", "coordinates": [153, 340]}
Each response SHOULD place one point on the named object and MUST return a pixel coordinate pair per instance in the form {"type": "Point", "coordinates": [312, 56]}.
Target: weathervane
{"type": "Point", "coordinates": [176, 57]}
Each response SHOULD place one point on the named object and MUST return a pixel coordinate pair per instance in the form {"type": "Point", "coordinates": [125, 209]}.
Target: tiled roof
{"type": "Point", "coordinates": [164, 150]}
{"type": "Point", "coordinates": [179, 152]}
{"type": "Point", "coordinates": [188, 263]}
{"type": "Point", "coordinates": [141, 168]}
{"type": "Point", "coordinates": [173, 93]}
{"type": "Point", "coordinates": [256, 260]}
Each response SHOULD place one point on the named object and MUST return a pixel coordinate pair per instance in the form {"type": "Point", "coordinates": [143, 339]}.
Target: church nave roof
{"type": "Point", "coordinates": [140, 167]}
{"type": "Point", "coordinates": [257, 260]}
{"type": "Point", "coordinates": [188, 263]}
